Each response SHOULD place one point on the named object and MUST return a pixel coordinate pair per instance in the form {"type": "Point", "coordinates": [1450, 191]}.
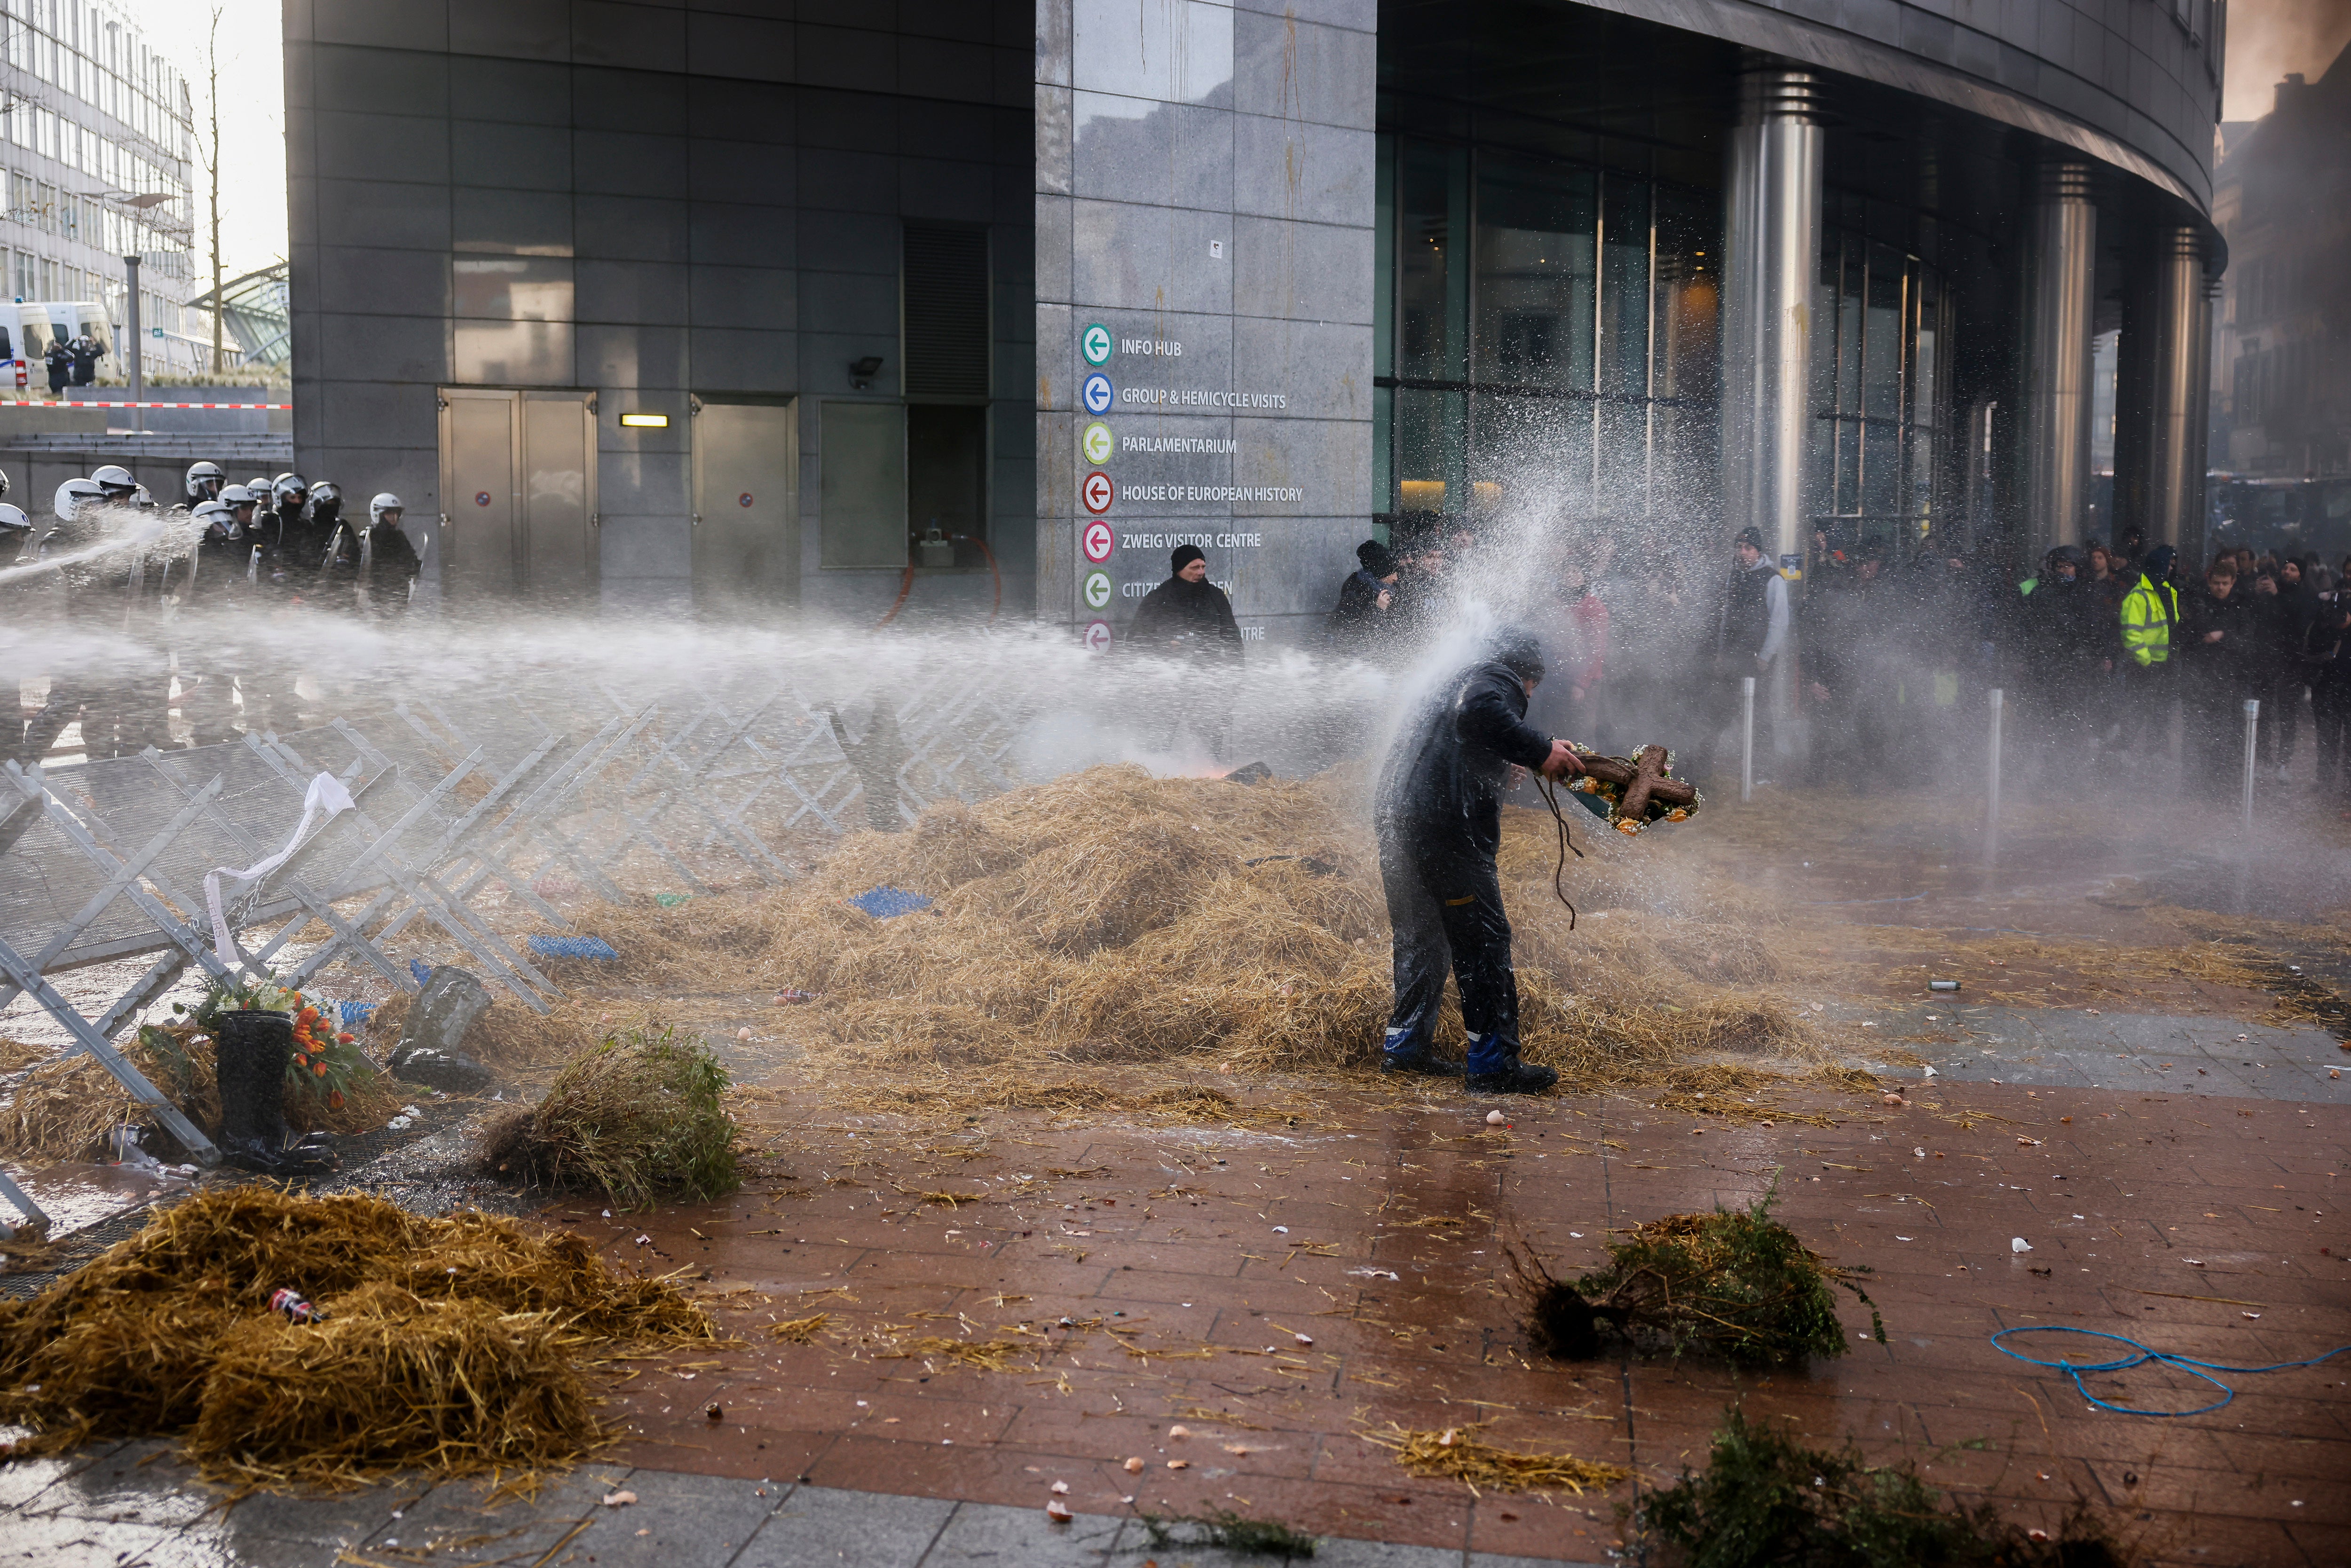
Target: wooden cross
{"type": "Point", "coordinates": [1644, 778]}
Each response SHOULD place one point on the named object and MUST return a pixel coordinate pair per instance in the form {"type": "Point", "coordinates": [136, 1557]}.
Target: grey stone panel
{"type": "Point", "coordinates": [1363, 15]}
{"type": "Point", "coordinates": [1054, 171]}
{"type": "Point", "coordinates": [1298, 568]}
{"type": "Point", "coordinates": [608, 97]}
{"type": "Point", "coordinates": [368, 278]}
{"type": "Point", "coordinates": [626, 164]}
{"type": "Point", "coordinates": [1177, 52]}
{"type": "Point", "coordinates": [302, 284]}
{"type": "Point", "coordinates": [631, 356]}
{"type": "Point", "coordinates": [1052, 43]}
{"type": "Point", "coordinates": [735, 359]}
{"type": "Point", "coordinates": [1284, 169]}
{"type": "Point", "coordinates": [1329, 459]}
{"type": "Point", "coordinates": [378, 413]}
{"type": "Point", "coordinates": [396, 215]}
{"type": "Point", "coordinates": [851, 302]}
{"type": "Point", "coordinates": [1133, 149]}
{"type": "Point", "coordinates": [376, 147]}
{"type": "Point", "coordinates": [1318, 272]}
{"type": "Point", "coordinates": [639, 547]}
{"type": "Point", "coordinates": [938, 190]}
{"type": "Point", "coordinates": [762, 49]}
{"type": "Point", "coordinates": [1301, 70]}
{"type": "Point", "coordinates": [617, 33]}
{"type": "Point", "coordinates": [510, 222]}
{"type": "Point", "coordinates": [1325, 368]}
{"type": "Point", "coordinates": [734, 233]}
{"type": "Point", "coordinates": [1144, 259]}
{"type": "Point", "coordinates": [527, 91]}
{"type": "Point", "coordinates": [512, 353]}
{"type": "Point", "coordinates": [1057, 568]}
{"type": "Point", "coordinates": [1057, 378]}
{"type": "Point", "coordinates": [929, 129]}
{"type": "Point", "coordinates": [982, 1533]}
{"type": "Point", "coordinates": [379, 81]}
{"type": "Point", "coordinates": [632, 291]}
{"type": "Point", "coordinates": [524, 157]}
{"type": "Point", "coordinates": [386, 23]}
{"type": "Point", "coordinates": [1055, 256]}
{"type": "Point", "coordinates": [528, 29]}
{"type": "Point", "coordinates": [629, 229]}
{"type": "Point", "coordinates": [391, 348]}
{"type": "Point", "coordinates": [850, 121]}
{"type": "Point", "coordinates": [849, 242]}
{"type": "Point", "coordinates": [825, 359]}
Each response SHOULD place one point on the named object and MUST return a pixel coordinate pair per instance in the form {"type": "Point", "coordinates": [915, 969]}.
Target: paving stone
{"type": "Point", "coordinates": [63, 1540]}
{"type": "Point", "coordinates": [680, 1521]}
{"type": "Point", "coordinates": [826, 1524]}
{"type": "Point", "coordinates": [23, 1480]}
{"type": "Point", "coordinates": [988, 1535]}
{"type": "Point", "coordinates": [138, 1483]}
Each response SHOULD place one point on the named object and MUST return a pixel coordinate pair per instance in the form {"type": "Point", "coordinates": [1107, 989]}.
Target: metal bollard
{"type": "Point", "coordinates": [1746, 738]}
{"type": "Point", "coordinates": [2253, 735]}
{"type": "Point", "coordinates": [1991, 778]}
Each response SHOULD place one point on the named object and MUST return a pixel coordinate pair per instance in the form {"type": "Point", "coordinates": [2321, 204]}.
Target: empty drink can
{"type": "Point", "coordinates": [1942, 984]}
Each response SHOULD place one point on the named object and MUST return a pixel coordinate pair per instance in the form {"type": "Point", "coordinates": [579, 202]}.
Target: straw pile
{"type": "Point", "coordinates": [456, 1344]}
{"type": "Point", "coordinates": [1459, 1453]}
{"type": "Point", "coordinates": [1109, 916]}
{"type": "Point", "coordinates": [65, 1108]}
{"type": "Point", "coordinates": [639, 1115]}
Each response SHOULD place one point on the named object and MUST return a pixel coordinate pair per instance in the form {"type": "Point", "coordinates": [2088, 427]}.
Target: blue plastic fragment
{"type": "Point", "coordinates": [354, 1014]}
{"type": "Point", "coordinates": [886, 903]}
{"type": "Point", "coordinates": [573, 948]}
{"type": "Point", "coordinates": [421, 970]}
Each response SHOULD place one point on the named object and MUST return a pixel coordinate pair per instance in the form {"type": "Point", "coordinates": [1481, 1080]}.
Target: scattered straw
{"type": "Point", "coordinates": [982, 1356]}
{"type": "Point", "coordinates": [456, 1344]}
{"type": "Point", "coordinates": [800, 1331]}
{"type": "Point", "coordinates": [1457, 1453]}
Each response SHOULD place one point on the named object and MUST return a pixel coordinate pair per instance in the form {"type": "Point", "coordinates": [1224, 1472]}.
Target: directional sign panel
{"type": "Point", "coordinates": [1098, 637]}
{"type": "Point", "coordinates": [1097, 541]}
{"type": "Point", "coordinates": [1097, 591]}
{"type": "Point", "coordinates": [1096, 393]}
{"type": "Point", "coordinates": [1096, 344]}
{"type": "Point", "coordinates": [1098, 443]}
{"type": "Point", "coordinates": [1096, 491]}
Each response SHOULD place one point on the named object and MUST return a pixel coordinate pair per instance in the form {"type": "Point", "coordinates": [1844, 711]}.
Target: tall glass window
{"type": "Point", "coordinates": [1878, 400]}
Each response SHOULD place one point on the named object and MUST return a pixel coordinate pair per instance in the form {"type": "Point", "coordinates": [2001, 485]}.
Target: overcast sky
{"type": "Point", "coordinates": [2268, 39]}
{"type": "Point", "coordinates": [253, 121]}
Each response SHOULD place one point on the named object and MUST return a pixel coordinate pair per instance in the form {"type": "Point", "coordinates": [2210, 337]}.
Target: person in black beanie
{"type": "Point", "coordinates": [1188, 613]}
{"type": "Point", "coordinates": [1355, 627]}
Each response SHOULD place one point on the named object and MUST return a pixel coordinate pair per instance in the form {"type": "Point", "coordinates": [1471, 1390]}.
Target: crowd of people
{"type": "Point", "coordinates": [141, 578]}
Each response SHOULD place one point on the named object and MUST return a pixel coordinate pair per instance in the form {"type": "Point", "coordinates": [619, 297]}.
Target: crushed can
{"type": "Point", "coordinates": [291, 1303]}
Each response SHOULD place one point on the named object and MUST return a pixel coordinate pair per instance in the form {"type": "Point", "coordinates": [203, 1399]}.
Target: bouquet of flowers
{"type": "Point", "coordinates": [325, 1060]}
{"type": "Point", "coordinates": [1630, 793]}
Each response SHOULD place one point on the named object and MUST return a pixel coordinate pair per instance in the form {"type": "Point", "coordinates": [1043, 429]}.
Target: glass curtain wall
{"type": "Point", "coordinates": [1545, 337]}
{"type": "Point", "coordinates": [1880, 393]}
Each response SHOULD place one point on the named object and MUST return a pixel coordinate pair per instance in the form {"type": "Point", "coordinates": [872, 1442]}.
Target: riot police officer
{"type": "Point", "coordinates": [204, 482]}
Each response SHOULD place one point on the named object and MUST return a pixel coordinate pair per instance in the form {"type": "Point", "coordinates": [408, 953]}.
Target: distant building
{"type": "Point", "coordinates": [2282, 367]}
{"type": "Point", "coordinates": [97, 145]}
{"type": "Point", "coordinates": [253, 310]}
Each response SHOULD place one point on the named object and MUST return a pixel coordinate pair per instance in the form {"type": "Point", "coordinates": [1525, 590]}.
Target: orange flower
{"type": "Point", "coordinates": [345, 1038]}
{"type": "Point", "coordinates": [319, 1068]}
{"type": "Point", "coordinates": [308, 1015]}
{"type": "Point", "coordinates": [334, 1099]}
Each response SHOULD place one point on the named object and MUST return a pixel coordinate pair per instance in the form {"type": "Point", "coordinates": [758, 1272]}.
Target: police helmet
{"type": "Point", "coordinates": [236, 496]}
{"type": "Point", "coordinates": [3, 481]}
{"type": "Point", "coordinates": [218, 518]}
{"type": "Point", "coordinates": [206, 481]}
{"type": "Point", "coordinates": [74, 494]}
{"type": "Point", "coordinates": [290, 485]}
{"type": "Point", "coordinates": [116, 481]}
{"type": "Point", "coordinates": [259, 485]}
{"type": "Point", "coordinates": [385, 504]}
{"type": "Point", "coordinates": [14, 523]}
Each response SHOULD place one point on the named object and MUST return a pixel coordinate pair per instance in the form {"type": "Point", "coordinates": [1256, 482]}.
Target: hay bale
{"type": "Point", "coordinates": [455, 1343]}
{"type": "Point", "coordinates": [639, 1115]}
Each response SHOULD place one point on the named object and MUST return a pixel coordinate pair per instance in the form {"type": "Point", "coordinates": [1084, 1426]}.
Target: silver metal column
{"type": "Point", "coordinates": [1774, 240]}
{"type": "Point", "coordinates": [2179, 360]}
{"type": "Point", "coordinates": [2063, 262]}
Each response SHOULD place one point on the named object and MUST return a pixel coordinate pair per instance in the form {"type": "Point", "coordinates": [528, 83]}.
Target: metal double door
{"type": "Point", "coordinates": [518, 483]}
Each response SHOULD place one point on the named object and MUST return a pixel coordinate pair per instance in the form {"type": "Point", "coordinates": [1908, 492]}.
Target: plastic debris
{"type": "Point", "coordinates": [594, 947]}
{"type": "Point", "coordinates": [2019, 1244]}
{"type": "Point", "coordinates": [793, 996]}
{"type": "Point", "coordinates": [887, 903]}
{"type": "Point", "coordinates": [1179, 1463]}
{"type": "Point", "coordinates": [715, 1412]}
{"type": "Point", "coordinates": [292, 1304]}
{"type": "Point", "coordinates": [671, 900]}
{"type": "Point", "coordinates": [1134, 1466]}
{"type": "Point", "coordinates": [1179, 1431]}
{"type": "Point", "coordinates": [1495, 1119]}
{"type": "Point", "coordinates": [1060, 1488]}
{"type": "Point", "coordinates": [1942, 984]}
{"type": "Point", "coordinates": [619, 1498]}
{"type": "Point", "coordinates": [1058, 1511]}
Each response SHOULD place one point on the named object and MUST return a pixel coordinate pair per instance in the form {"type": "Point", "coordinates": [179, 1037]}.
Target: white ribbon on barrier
{"type": "Point", "coordinates": [327, 797]}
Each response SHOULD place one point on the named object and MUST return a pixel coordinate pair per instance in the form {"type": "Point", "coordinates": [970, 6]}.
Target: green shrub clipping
{"type": "Point", "coordinates": [640, 1115]}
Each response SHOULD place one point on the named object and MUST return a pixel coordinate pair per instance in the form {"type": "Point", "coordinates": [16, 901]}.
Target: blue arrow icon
{"type": "Point", "coordinates": [1097, 393]}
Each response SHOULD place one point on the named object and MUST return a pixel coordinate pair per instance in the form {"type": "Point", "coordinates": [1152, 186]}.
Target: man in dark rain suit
{"type": "Point", "coordinates": [1439, 821]}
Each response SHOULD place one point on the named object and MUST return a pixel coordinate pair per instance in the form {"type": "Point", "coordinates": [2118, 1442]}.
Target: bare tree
{"type": "Point", "coordinates": [208, 148]}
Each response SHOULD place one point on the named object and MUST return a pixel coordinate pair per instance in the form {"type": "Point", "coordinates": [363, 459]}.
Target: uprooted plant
{"type": "Point", "coordinates": [641, 1113]}
{"type": "Point", "coordinates": [1764, 1501]}
{"type": "Point", "coordinates": [1734, 1283]}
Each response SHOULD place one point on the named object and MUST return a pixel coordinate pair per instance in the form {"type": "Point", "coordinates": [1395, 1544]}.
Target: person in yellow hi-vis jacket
{"type": "Point", "coordinates": [2150, 615]}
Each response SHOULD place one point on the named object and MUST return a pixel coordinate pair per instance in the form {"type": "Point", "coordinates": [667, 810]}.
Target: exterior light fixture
{"type": "Point", "coordinates": [645, 421]}
{"type": "Point", "coordinates": [862, 371]}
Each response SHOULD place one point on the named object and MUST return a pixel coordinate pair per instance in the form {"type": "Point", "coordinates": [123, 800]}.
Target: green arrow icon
{"type": "Point", "coordinates": [1096, 344]}
{"type": "Point", "coordinates": [1097, 589]}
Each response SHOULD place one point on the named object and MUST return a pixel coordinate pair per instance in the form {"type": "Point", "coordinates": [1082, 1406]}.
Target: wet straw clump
{"type": "Point", "coordinates": [1764, 1501]}
{"type": "Point", "coordinates": [455, 1343]}
{"type": "Point", "coordinates": [1459, 1453]}
{"type": "Point", "coordinates": [641, 1115]}
{"type": "Point", "coordinates": [1735, 1284]}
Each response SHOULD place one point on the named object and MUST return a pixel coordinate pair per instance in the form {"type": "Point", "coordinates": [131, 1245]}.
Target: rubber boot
{"type": "Point", "coordinates": [1403, 1053]}
{"type": "Point", "coordinates": [250, 1056]}
{"type": "Point", "coordinates": [1495, 1068]}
